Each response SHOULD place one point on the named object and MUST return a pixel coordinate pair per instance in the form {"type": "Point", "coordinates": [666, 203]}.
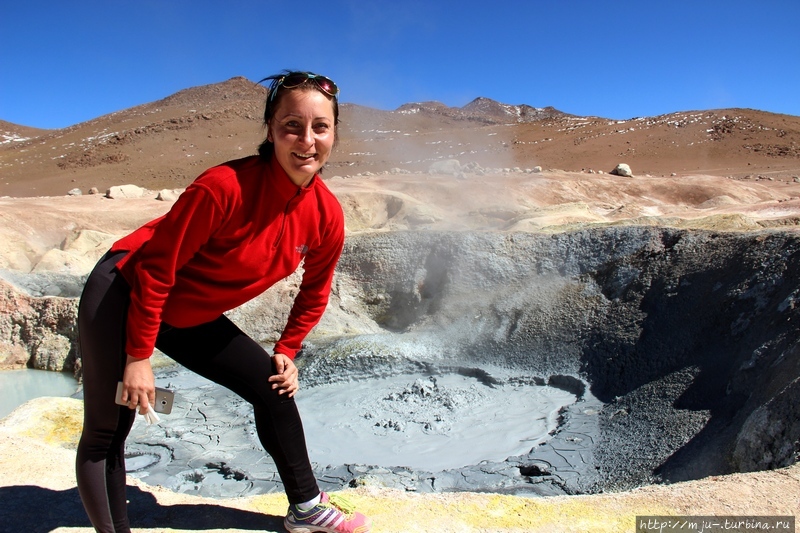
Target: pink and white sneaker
{"type": "Point", "coordinates": [333, 514]}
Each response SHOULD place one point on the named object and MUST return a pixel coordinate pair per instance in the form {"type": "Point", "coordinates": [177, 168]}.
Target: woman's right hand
{"type": "Point", "coordinates": [138, 384]}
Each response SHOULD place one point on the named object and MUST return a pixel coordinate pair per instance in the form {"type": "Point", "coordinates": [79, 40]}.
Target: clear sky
{"type": "Point", "coordinates": [64, 62]}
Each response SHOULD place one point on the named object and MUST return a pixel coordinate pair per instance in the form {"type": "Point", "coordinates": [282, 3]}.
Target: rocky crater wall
{"type": "Point", "coordinates": [689, 338]}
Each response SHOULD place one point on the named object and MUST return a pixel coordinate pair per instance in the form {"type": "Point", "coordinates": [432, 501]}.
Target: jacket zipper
{"type": "Point", "coordinates": [285, 214]}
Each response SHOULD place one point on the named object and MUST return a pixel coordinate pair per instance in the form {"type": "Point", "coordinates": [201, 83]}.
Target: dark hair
{"type": "Point", "coordinates": [275, 95]}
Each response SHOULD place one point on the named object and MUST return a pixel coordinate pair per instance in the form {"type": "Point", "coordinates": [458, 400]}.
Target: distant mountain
{"type": "Point", "coordinates": [237, 93]}
{"type": "Point", "coordinates": [167, 143]}
{"type": "Point", "coordinates": [484, 110]}
{"type": "Point", "coordinates": [517, 113]}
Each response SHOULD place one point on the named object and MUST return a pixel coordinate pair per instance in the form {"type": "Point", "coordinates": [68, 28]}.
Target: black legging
{"type": "Point", "coordinates": [218, 350]}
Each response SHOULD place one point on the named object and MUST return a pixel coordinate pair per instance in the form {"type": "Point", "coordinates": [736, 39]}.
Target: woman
{"type": "Point", "coordinates": [236, 230]}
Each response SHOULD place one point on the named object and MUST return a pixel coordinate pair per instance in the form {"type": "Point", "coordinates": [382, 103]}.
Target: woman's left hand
{"type": "Point", "coordinates": [285, 377]}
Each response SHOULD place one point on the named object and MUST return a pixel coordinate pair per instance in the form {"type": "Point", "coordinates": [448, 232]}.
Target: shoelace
{"type": "Point", "coordinates": [342, 503]}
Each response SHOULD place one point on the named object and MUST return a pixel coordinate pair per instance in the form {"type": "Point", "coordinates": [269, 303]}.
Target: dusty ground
{"type": "Point", "coordinates": [40, 495]}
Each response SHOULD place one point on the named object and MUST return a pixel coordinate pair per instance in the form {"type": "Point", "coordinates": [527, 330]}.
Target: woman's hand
{"type": "Point", "coordinates": [285, 377]}
{"type": "Point", "coordinates": [138, 384]}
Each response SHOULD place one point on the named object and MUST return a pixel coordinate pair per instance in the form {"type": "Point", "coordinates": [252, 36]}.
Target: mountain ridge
{"type": "Point", "coordinates": [168, 142]}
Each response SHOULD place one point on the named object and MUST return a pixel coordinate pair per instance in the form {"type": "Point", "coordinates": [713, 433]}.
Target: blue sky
{"type": "Point", "coordinates": [67, 62]}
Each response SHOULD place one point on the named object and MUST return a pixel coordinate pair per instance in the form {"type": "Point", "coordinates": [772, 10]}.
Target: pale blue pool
{"type": "Point", "coordinates": [19, 386]}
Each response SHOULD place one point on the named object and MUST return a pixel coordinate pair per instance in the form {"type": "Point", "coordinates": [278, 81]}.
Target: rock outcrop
{"type": "Point", "coordinates": [37, 332]}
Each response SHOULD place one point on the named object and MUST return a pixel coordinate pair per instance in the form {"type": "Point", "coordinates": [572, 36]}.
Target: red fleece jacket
{"type": "Point", "coordinates": [235, 231]}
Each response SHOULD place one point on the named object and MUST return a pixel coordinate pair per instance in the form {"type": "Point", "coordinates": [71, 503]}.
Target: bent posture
{"type": "Point", "coordinates": [237, 229]}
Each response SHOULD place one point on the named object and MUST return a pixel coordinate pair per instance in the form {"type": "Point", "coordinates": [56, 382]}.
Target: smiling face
{"type": "Point", "coordinates": [302, 130]}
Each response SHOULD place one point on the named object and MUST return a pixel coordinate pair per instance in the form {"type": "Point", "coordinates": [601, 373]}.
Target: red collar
{"type": "Point", "coordinates": [284, 185]}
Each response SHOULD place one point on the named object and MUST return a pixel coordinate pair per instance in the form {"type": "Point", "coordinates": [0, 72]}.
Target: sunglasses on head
{"type": "Point", "coordinates": [326, 85]}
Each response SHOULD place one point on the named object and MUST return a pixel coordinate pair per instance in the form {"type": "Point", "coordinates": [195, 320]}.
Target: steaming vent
{"type": "Point", "coordinates": [582, 362]}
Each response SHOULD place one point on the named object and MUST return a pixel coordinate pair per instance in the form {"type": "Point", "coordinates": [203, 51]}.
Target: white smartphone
{"type": "Point", "coordinates": [164, 399]}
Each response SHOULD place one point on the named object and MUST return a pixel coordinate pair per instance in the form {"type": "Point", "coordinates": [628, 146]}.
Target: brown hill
{"type": "Point", "coordinates": [14, 133]}
{"type": "Point", "coordinates": [165, 144]}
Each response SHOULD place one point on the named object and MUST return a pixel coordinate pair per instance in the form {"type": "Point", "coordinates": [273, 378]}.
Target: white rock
{"type": "Point", "coordinates": [448, 166]}
{"type": "Point", "coordinates": [622, 170]}
{"type": "Point", "coordinates": [168, 195]}
{"type": "Point", "coordinates": [125, 191]}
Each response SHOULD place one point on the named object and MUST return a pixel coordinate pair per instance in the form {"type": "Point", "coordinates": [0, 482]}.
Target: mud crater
{"type": "Point", "coordinates": [677, 351]}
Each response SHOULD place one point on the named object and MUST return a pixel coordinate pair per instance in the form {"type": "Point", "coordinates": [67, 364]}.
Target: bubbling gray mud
{"type": "Point", "coordinates": [444, 429]}
{"type": "Point", "coordinates": [428, 422]}
{"type": "Point", "coordinates": [681, 350]}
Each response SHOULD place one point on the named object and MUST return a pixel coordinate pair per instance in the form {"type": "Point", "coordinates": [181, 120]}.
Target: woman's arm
{"type": "Point", "coordinates": [176, 238]}
{"type": "Point", "coordinates": [315, 289]}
